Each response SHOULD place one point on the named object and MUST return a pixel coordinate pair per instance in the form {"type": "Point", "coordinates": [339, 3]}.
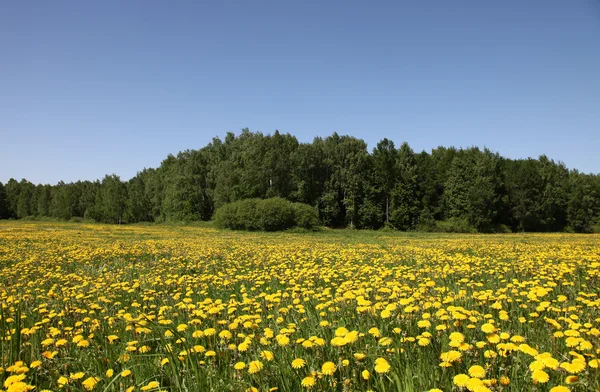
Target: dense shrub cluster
{"type": "Point", "coordinates": [266, 215]}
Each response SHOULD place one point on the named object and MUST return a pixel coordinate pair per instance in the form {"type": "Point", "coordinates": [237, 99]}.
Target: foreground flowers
{"type": "Point", "coordinates": [153, 308]}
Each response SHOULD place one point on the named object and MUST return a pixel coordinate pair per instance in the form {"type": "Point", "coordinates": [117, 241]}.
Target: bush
{"type": "Point", "coordinates": [596, 227]}
{"type": "Point", "coordinates": [454, 225]}
{"type": "Point", "coordinates": [245, 216]}
{"type": "Point", "coordinates": [387, 228]}
{"type": "Point", "coordinates": [237, 216]}
{"type": "Point", "coordinates": [272, 214]}
{"type": "Point", "coordinates": [426, 221]}
{"type": "Point", "coordinates": [501, 228]}
{"type": "Point", "coordinates": [305, 216]}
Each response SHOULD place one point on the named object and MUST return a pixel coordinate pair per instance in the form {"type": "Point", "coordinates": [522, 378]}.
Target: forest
{"type": "Point", "coordinates": [447, 189]}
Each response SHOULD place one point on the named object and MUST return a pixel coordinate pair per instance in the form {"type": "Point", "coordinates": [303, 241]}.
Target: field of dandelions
{"type": "Point", "coordinates": [173, 308]}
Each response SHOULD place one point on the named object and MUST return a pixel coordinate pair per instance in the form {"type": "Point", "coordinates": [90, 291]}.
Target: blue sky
{"type": "Point", "coordinates": [95, 87]}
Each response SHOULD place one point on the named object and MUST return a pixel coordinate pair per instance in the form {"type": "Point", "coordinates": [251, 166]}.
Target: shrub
{"type": "Point", "coordinates": [305, 216]}
{"type": "Point", "coordinates": [237, 216]}
{"type": "Point", "coordinates": [272, 214]}
{"type": "Point", "coordinates": [502, 228]}
{"type": "Point", "coordinates": [596, 227]}
{"type": "Point", "coordinates": [454, 225]}
{"type": "Point", "coordinates": [426, 221]}
{"type": "Point", "coordinates": [245, 216]}
{"type": "Point", "coordinates": [387, 228]}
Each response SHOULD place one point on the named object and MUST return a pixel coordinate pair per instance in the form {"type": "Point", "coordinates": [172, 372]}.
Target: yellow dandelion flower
{"type": "Point", "coordinates": [571, 379]}
{"type": "Point", "coordinates": [375, 332]}
{"type": "Point", "coordinates": [62, 381]}
{"type": "Point", "coordinates": [255, 367]}
{"type": "Point", "coordinates": [382, 366]}
{"type": "Point", "coordinates": [328, 368]}
{"type": "Point", "coordinates": [35, 364]}
{"type": "Point", "coordinates": [267, 355]}
{"type": "Point", "coordinates": [90, 383]}
{"type": "Point", "coordinates": [540, 376]}
{"type": "Point", "coordinates": [112, 338]}
{"type": "Point", "coordinates": [61, 342]}
{"type": "Point", "coordinates": [151, 385]}
{"type": "Point", "coordinates": [457, 337]}
{"type": "Point", "coordinates": [423, 342]}
{"type": "Point", "coordinates": [308, 382]}
{"type": "Point", "coordinates": [560, 388]}
{"type": "Point", "coordinates": [477, 371]}
{"type": "Point", "coordinates": [83, 343]}
{"type": "Point", "coordinates": [385, 341]}
{"type": "Point", "coordinates": [298, 363]}
{"type": "Point", "coordinates": [461, 380]}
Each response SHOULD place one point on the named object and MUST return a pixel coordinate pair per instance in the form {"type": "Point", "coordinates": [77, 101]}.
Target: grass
{"type": "Point", "coordinates": [179, 306]}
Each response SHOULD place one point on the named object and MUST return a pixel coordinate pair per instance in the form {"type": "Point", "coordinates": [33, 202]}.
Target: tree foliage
{"type": "Point", "coordinates": [3, 203]}
{"type": "Point", "coordinates": [447, 189]}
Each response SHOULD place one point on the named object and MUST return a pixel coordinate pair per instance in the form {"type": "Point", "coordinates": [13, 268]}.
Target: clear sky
{"type": "Point", "coordinates": [89, 88]}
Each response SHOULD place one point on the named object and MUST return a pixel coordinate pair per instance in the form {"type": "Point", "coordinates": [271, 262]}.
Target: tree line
{"type": "Point", "coordinates": [391, 186]}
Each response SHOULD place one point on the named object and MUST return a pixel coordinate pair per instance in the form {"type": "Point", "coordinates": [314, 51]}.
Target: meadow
{"type": "Point", "coordinates": [183, 308]}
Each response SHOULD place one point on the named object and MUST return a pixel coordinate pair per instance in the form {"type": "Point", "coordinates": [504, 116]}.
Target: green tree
{"type": "Point", "coordinates": [554, 196]}
{"type": "Point", "coordinates": [277, 164]}
{"type": "Point", "coordinates": [346, 161]}
{"type": "Point", "coordinates": [111, 200]}
{"type": "Point", "coordinates": [405, 194]}
{"type": "Point", "coordinates": [43, 199]}
{"type": "Point", "coordinates": [3, 203]}
{"type": "Point", "coordinates": [430, 190]}
{"type": "Point", "coordinates": [309, 172]}
{"type": "Point", "coordinates": [583, 209]}
{"type": "Point", "coordinates": [186, 193]}
{"type": "Point", "coordinates": [61, 201]}
{"type": "Point", "coordinates": [474, 189]}
{"type": "Point", "coordinates": [12, 189]}
{"type": "Point", "coordinates": [524, 185]}
{"type": "Point", "coordinates": [385, 173]}
{"type": "Point", "coordinates": [139, 204]}
{"type": "Point", "coordinates": [86, 198]}
{"type": "Point", "coordinates": [371, 215]}
{"type": "Point", "coordinates": [154, 190]}
{"type": "Point", "coordinates": [441, 163]}
{"type": "Point", "coordinates": [488, 196]}
{"type": "Point", "coordinates": [24, 200]}
{"type": "Point", "coordinates": [468, 188]}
